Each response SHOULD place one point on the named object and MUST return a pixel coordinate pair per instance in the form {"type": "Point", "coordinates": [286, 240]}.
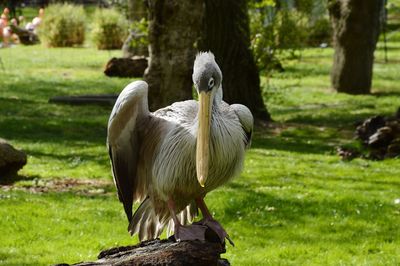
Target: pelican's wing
{"type": "Point", "coordinates": [180, 112]}
{"type": "Point", "coordinates": [246, 119]}
{"type": "Point", "coordinates": [129, 114]}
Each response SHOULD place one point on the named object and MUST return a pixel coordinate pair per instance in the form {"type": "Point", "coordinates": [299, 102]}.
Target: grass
{"type": "Point", "coordinates": [296, 202]}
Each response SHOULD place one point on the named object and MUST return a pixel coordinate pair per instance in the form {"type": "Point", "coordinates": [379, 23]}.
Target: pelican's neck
{"type": "Point", "coordinates": [218, 97]}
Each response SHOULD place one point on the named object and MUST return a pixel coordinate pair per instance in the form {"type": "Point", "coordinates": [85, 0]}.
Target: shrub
{"type": "Point", "coordinates": [137, 43]}
{"type": "Point", "coordinates": [320, 32]}
{"type": "Point", "coordinates": [291, 30]}
{"type": "Point", "coordinates": [63, 25]}
{"type": "Point", "coordinates": [110, 28]}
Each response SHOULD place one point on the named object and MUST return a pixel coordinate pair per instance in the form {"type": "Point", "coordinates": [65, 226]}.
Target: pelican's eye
{"type": "Point", "coordinates": [210, 84]}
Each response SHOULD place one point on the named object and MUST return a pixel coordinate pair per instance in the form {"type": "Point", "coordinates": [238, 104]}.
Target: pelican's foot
{"type": "Point", "coordinates": [190, 232]}
{"type": "Point", "coordinates": [217, 228]}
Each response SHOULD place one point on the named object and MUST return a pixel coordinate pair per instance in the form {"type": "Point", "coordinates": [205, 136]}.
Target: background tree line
{"type": "Point", "coordinates": [247, 37]}
{"type": "Point", "coordinates": [251, 36]}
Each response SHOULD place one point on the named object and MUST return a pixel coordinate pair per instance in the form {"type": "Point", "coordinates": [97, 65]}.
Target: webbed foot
{"type": "Point", "coordinates": [217, 228]}
{"type": "Point", "coordinates": [190, 232]}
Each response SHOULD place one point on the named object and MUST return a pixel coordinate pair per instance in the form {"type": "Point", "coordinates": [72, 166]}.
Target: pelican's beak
{"type": "Point", "coordinates": [203, 137]}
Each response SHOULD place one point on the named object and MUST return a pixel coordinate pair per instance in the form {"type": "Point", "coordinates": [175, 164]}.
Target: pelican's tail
{"type": "Point", "coordinates": [150, 225]}
{"type": "Point", "coordinates": [145, 222]}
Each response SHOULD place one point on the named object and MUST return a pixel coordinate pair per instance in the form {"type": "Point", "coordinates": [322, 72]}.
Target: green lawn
{"type": "Point", "coordinates": [296, 202]}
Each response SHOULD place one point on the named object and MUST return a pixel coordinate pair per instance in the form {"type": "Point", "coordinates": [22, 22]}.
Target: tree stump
{"type": "Point", "coordinates": [126, 67]}
{"type": "Point", "coordinates": [11, 159]}
{"type": "Point", "coordinates": [162, 252]}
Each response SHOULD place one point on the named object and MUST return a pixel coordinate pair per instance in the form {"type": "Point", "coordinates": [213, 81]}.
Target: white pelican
{"type": "Point", "coordinates": [157, 156]}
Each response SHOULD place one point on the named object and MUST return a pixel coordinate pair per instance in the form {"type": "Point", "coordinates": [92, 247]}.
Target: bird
{"type": "Point", "coordinates": [168, 160]}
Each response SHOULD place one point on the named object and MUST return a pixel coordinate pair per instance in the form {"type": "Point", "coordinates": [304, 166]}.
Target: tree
{"type": "Point", "coordinates": [223, 28]}
{"type": "Point", "coordinates": [226, 33]}
{"type": "Point", "coordinates": [136, 9]}
{"type": "Point", "coordinates": [355, 33]}
{"type": "Point", "coordinates": [174, 27]}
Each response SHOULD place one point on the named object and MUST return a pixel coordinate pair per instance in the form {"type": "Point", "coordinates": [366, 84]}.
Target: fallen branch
{"type": "Point", "coordinates": [162, 252]}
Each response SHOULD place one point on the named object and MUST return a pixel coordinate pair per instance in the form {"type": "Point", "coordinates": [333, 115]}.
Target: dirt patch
{"type": "Point", "coordinates": [79, 186]}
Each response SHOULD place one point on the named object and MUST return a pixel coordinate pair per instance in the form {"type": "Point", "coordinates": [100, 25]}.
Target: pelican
{"type": "Point", "coordinates": [170, 159]}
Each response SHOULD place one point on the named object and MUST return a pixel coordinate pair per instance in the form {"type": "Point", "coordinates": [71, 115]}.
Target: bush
{"type": "Point", "coordinates": [110, 29]}
{"type": "Point", "coordinates": [320, 32]}
{"type": "Point", "coordinates": [63, 25]}
{"type": "Point", "coordinates": [137, 43]}
{"type": "Point", "coordinates": [291, 30]}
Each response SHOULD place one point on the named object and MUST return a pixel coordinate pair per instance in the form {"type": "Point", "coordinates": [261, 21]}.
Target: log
{"type": "Point", "coordinates": [126, 67]}
{"type": "Point", "coordinates": [11, 160]}
{"type": "Point", "coordinates": [162, 252]}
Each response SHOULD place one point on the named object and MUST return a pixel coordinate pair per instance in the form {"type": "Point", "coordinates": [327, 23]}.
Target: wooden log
{"type": "Point", "coordinates": [126, 67]}
{"type": "Point", "coordinates": [162, 252]}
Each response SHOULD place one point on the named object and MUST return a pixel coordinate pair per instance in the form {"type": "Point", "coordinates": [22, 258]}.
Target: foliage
{"type": "Point", "coordinates": [262, 40]}
{"type": "Point", "coordinates": [120, 5]}
{"type": "Point", "coordinates": [296, 203]}
{"type": "Point", "coordinates": [291, 30]}
{"type": "Point", "coordinates": [63, 25]}
{"type": "Point", "coordinates": [305, 6]}
{"type": "Point", "coordinates": [139, 42]}
{"type": "Point", "coordinates": [261, 3]}
{"type": "Point", "coordinates": [110, 28]}
{"type": "Point", "coordinates": [320, 32]}
{"type": "Point", "coordinates": [277, 26]}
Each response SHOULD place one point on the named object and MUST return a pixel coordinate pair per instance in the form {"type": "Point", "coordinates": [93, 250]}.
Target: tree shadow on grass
{"type": "Point", "coordinates": [53, 130]}
{"type": "Point", "coordinates": [387, 94]}
{"type": "Point", "coordinates": [292, 212]}
{"type": "Point", "coordinates": [366, 184]}
{"type": "Point", "coordinates": [305, 71]}
{"type": "Point", "coordinates": [46, 87]}
{"type": "Point", "coordinates": [68, 158]}
{"type": "Point", "coordinates": [338, 119]}
{"type": "Point", "coordinates": [10, 179]}
{"type": "Point", "coordinates": [297, 144]}
{"type": "Point", "coordinates": [25, 114]}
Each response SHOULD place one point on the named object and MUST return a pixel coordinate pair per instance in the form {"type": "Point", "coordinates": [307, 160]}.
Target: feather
{"type": "Point", "coordinates": [153, 155]}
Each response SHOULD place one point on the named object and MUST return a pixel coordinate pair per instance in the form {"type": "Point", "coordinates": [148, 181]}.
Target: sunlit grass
{"type": "Point", "coordinates": [296, 202]}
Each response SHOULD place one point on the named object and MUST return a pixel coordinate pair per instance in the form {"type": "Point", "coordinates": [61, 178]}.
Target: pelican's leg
{"type": "Point", "coordinates": [191, 232]}
{"type": "Point", "coordinates": [209, 221]}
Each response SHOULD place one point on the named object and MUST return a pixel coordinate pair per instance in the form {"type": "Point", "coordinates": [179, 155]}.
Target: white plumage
{"type": "Point", "coordinates": [153, 155]}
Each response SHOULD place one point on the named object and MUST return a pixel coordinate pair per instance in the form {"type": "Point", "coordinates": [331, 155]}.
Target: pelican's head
{"type": "Point", "coordinates": [207, 79]}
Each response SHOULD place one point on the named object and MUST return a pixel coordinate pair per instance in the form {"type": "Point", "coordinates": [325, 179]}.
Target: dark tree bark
{"type": "Point", "coordinates": [226, 33]}
{"type": "Point", "coordinates": [162, 252]}
{"type": "Point", "coordinates": [355, 33]}
{"type": "Point", "coordinates": [174, 27]}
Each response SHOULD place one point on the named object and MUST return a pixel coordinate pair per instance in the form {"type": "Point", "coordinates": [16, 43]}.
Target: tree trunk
{"type": "Point", "coordinates": [174, 27]}
{"type": "Point", "coordinates": [162, 252]}
{"type": "Point", "coordinates": [355, 33]}
{"type": "Point", "coordinates": [226, 33]}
